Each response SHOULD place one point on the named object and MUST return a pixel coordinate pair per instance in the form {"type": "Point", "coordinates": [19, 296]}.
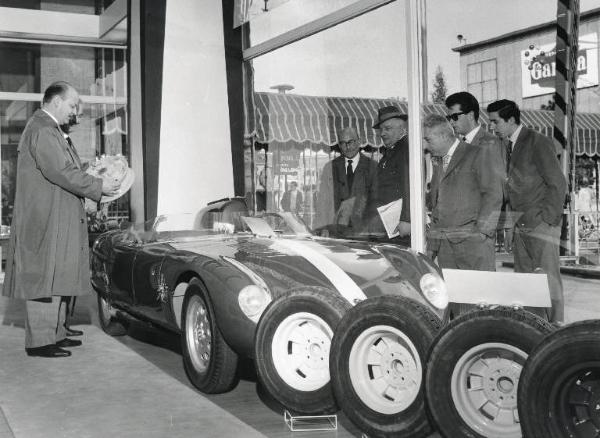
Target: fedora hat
{"type": "Point", "coordinates": [388, 112]}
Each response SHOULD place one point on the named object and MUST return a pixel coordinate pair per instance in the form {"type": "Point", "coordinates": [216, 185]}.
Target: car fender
{"type": "Point", "coordinates": [223, 283]}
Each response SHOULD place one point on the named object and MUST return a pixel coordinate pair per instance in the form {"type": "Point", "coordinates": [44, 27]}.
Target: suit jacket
{"type": "Point", "coordinates": [497, 149]}
{"type": "Point", "coordinates": [536, 186]}
{"type": "Point", "coordinates": [339, 205]}
{"type": "Point", "coordinates": [467, 197]}
{"type": "Point", "coordinates": [48, 250]}
{"type": "Point", "coordinates": [286, 200]}
{"type": "Point", "coordinates": [393, 178]}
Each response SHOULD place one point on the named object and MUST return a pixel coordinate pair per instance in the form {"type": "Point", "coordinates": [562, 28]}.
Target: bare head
{"type": "Point", "coordinates": [61, 100]}
{"type": "Point", "coordinates": [349, 144]}
{"type": "Point", "coordinates": [438, 134]}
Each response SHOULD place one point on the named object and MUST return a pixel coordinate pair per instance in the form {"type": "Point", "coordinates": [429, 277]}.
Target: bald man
{"type": "Point", "coordinates": [347, 193]}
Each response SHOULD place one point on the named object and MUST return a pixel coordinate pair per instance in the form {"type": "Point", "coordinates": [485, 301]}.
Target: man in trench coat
{"type": "Point", "coordinates": [48, 251]}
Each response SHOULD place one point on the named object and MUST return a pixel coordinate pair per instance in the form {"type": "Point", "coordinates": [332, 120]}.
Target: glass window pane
{"type": "Point", "coordinates": [490, 91]}
{"type": "Point", "coordinates": [476, 90]}
{"type": "Point", "coordinates": [304, 98]}
{"type": "Point", "coordinates": [73, 6]}
{"type": "Point", "coordinates": [489, 70]}
{"type": "Point", "coordinates": [32, 67]}
{"type": "Point", "coordinates": [285, 15]}
{"type": "Point", "coordinates": [474, 73]}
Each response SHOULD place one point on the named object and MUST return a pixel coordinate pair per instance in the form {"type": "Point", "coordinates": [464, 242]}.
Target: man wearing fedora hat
{"type": "Point", "coordinates": [393, 174]}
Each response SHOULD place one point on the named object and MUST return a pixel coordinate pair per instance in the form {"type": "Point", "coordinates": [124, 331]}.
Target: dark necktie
{"type": "Point", "coordinates": [349, 175]}
{"type": "Point", "coordinates": [509, 147]}
{"type": "Point", "coordinates": [71, 150]}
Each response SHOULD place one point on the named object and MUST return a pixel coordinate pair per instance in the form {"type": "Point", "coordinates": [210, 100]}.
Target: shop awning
{"type": "Point", "coordinates": [314, 121]}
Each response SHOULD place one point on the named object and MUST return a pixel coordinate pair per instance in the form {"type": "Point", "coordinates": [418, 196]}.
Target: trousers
{"type": "Point", "coordinates": [44, 321]}
{"type": "Point", "coordinates": [538, 248]}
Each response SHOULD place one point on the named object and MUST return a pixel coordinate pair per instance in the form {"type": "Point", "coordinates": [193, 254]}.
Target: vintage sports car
{"type": "Point", "coordinates": [265, 288]}
{"type": "Point", "coordinates": [559, 392]}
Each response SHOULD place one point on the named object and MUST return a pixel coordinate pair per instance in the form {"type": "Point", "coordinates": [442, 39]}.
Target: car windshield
{"type": "Point", "coordinates": [223, 217]}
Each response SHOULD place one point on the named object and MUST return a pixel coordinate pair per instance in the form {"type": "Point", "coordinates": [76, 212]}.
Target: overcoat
{"type": "Point", "coordinates": [48, 252]}
{"type": "Point", "coordinates": [393, 177]}
{"type": "Point", "coordinates": [338, 204]}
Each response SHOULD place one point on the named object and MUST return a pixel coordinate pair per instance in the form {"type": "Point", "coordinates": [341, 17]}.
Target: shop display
{"type": "Point", "coordinates": [559, 388]}
{"type": "Point", "coordinates": [258, 287]}
{"type": "Point", "coordinates": [474, 368]}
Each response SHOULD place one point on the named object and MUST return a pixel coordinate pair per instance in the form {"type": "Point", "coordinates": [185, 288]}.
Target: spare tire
{"type": "Point", "coordinates": [291, 348]}
{"type": "Point", "coordinates": [474, 368]}
{"type": "Point", "coordinates": [559, 393]}
{"type": "Point", "coordinates": [378, 362]}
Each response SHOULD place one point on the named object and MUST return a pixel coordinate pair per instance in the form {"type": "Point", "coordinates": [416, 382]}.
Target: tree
{"type": "Point", "coordinates": [439, 86]}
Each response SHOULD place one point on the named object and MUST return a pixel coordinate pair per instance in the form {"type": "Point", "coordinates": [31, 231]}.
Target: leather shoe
{"type": "Point", "coordinates": [72, 332]}
{"type": "Point", "coordinates": [66, 342]}
{"type": "Point", "coordinates": [47, 351]}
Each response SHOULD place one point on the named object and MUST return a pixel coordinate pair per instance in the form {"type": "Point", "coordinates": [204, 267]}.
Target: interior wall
{"type": "Point", "coordinates": [195, 143]}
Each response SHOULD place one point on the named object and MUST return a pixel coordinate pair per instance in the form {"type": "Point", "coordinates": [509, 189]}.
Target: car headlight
{"type": "Point", "coordinates": [434, 290]}
{"type": "Point", "coordinates": [253, 300]}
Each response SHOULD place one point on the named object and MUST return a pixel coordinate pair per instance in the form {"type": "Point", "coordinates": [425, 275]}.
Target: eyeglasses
{"type": "Point", "coordinates": [349, 142]}
{"type": "Point", "coordinates": [454, 116]}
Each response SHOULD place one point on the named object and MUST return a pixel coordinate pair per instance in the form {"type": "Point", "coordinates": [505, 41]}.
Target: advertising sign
{"type": "Point", "coordinates": [289, 163]}
{"type": "Point", "coordinates": [538, 75]}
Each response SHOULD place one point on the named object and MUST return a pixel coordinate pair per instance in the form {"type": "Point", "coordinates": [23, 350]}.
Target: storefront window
{"type": "Point", "coordinates": [305, 96]}
{"type": "Point", "coordinates": [98, 74]}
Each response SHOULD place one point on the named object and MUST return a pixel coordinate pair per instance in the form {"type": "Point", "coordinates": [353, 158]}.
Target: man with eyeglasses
{"type": "Point", "coordinates": [393, 178]}
{"type": "Point", "coordinates": [346, 198]}
{"type": "Point", "coordinates": [536, 189]}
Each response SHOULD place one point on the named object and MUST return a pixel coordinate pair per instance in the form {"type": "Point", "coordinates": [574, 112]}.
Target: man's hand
{"type": "Point", "coordinates": [110, 187]}
{"type": "Point", "coordinates": [403, 228]}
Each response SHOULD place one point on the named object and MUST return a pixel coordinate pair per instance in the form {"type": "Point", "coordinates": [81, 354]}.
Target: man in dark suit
{"type": "Point", "coordinates": [348, 190]}
{"type": "Point", "coordinates": [393, 178]}
{"type": "Point", "coordinates": [466, 195]}
{"type": "Point", "coordinates": [463, 115]}
{"type": "Point", "coordinates": [536, 189]}
{"type": "Point", "coordinates": [292, 199]}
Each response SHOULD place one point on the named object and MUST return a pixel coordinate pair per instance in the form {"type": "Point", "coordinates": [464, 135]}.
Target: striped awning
{"type": "Point", "coordinates": [315, 121]}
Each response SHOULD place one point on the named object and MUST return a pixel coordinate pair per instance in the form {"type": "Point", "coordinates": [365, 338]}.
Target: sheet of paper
{"type": "Point", "coordinates": [390, 216]}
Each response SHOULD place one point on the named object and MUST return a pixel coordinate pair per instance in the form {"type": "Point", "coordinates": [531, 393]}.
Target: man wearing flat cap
{"type": "Point", "coordinates": [393, 174]}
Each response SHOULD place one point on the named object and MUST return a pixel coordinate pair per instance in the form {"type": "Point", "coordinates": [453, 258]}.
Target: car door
{"type": "Point", "coordinates": [150, 291]}
{"type": "Point", "coordinates": [121, 287]}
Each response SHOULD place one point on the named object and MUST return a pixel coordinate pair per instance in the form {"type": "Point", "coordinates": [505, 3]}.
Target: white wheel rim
{"type": "Point", "coordinates": [385, 369]}
{"type": "Point", "coordinates": [484, 388]}
{"type": "Point", "coordinates": [198, 333]}
{"type": "Point", "coordinates": [300, 351]}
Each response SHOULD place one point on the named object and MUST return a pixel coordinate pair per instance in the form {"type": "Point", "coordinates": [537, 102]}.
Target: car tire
{"type": "Point", "coordinates": [560, 384]}
{"type": "Point", "coordinates": [474, 368]}
{"type": "Point", "coordinates": [210, 364]}
{"type": "Point", "coordinates": [107, 317]}
{"type": "Point", "coordinates": [381, 389]}
{"type": "Point", "coordinates": [291, 348]}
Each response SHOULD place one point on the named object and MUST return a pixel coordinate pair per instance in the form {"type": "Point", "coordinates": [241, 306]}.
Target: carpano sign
{"type": "Point", "coordinates": [540, 79]}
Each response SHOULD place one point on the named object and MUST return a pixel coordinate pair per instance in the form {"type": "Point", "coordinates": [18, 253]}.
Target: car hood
{"type": "Point", "coordinates": [355, 269]}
